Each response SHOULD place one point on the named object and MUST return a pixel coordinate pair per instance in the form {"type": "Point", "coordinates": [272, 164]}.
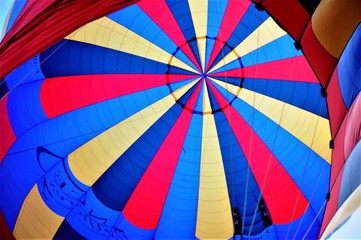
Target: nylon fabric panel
{"type": "Point", "coordinates": [165, 20]}
{"type": "Point", "coordinates": [216, 10]}
{"type": "Point", "coordinates": [179, 213]}
{"type": "Point", "coordinates": [285, 10]}
{"type": "Point", "coordinates": [68, 57]}
{"type": "Point", "coordinates": [145, 205]}
{"type": "Point", "coordinates": [332, 204]}
{"type": "Point", "coordinates": [295, 69]}
{"type": "Point", "coordinates": [349, 73]}
{"type": "Point", "coordinates": [334, 22]}
{"type": "Point", "coordinates": [115, 192]}
{"type": "Point", "coordinates": [144, 26]}
{"type": "Point", "coordinates": [336, 106]}
{"type": "Point", "coordinates": [108, 146]}
{"type": "Point", "coordinates": [101, 32]}
{"type": "Point", "coordinates": [285, 185]}
{"type": "Point", "coordinates": [351, 178]}
{"type": "Point", "coordinates": [246, 39]}
{"type": "Point", "coordinates": [105, 114]}
{"type": "Point", "coordinates": [79, 91]}
{"type": "Point", "coordinates": [321, 61]}
{"type": "Point", "coordinates": [68, 143]}
{"type": "Point", "coordinates": [311, 101]}
{"type": "Point", "coordinates": [228, 25]}
{"type": "Point", "coordinates": [199, 12]}
{"type": "Point", "coordinates": [20, 178]}
{"type": "Point", "coordinates": [214, 217]}
{"type": "Point", "coordinates": [25, 110]}
{"type": "Point", "coordinates": [294, 120]}
{"type": "Point", "coordinates": [66, 231]}
{"type": "Point", "coordinates": [353, 127]}
{"type": "Point", "coordinates": [6, 132]}
{"type": "Point", "coordinates": [27, 72]}
{"type": "Point", "coordinates": [35, 219]}
{"type": "Point", "coordinates": [45, 22]}
{"type": "Point", "coordinates": [181, 11]}
{"type": "Point", "coordinates": [338, 155]}
{"type": "Point", "coordinates": [302, 173]}
{"type": "Point", "coordinates": [239, 176]}
{"type": "Point", "coordinates": [343, 214]}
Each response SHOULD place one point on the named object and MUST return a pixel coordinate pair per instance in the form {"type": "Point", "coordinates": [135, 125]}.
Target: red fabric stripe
{"type": "Point", "coordinates": [279, 190]}
{"type": "Point", "coordinates": [43, 23]}
{"type": "Point", "coordinates": [338, 155]}
{"type": "Point", "coordinates": [7, 136]}
{"type": "Point", "coordinates": [163, 17]}
{"type": "Point", "coordinates": [336, 107]}
{"type": "Point", "coordinates": [321, 61]}
{"type": "Point", "coordinates": [296, 69]}
{"type": "Point", "coordinates": [145, 206]}
{"type": "Point", "coordinates": [64, 94]}
{"type": "Point", "coordinates": [233, 14]}
{"type": "Point", "coordinates": [290, 14]}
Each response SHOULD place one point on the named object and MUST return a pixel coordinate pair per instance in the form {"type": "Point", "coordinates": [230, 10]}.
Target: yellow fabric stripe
{"type": "Point", "coordinates": [214, 217]}
{"type": "Point", "coordinates": [313, 130]}
{"type": "Point", "coordinates": [91, 160]}
{"type": "Point", "coordinates": [267, 32]}
{"type": "Point", "coordinates": [35, 219]}
{"type": "Point", "coordinates": [105, 32]}
{"type": "Point", "coordinates": [199, 10]}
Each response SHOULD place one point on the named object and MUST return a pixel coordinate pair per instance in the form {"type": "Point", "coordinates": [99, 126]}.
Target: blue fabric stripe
{"type": "Point", "coordinates": [249, 22]}
{"type": "Point", "coordinates": [24, 107]}
{"type": "Point", "coordinates": [20, 178]}
{"type": "Point", "coordinates": [351, 177]}
{"type": "Point", "coordinates": [237, 169]}
{"type": "Point", "coordinates": [288, 231]}
{"type": "Point", "coordinates": [303, 95]}
{"type": "Point", "coordinates": [144, 26]}
{"type": "Point", "coordinates": [265, 54]}
{"type": "Point", "coordinates": [179, 214]}
{"type": "Point", "coordinates": [181, 11]}
{"type": "Point", "coordinates": [66, 231]}
{"type": "Point", "coordinates": [91, 219]}
{"type": "Point", "coordinates": [278, 49]}
{"type": "Point", "coordinates": [68, 58]}
{"type": "Point", "coordinates": [27, 72]}
{"type": "Point", "coordinates": [349, 73]}
{"type": "Point", "coordinates": [59, 188]}
{"type": "Point", "coordinates": [216, 11]}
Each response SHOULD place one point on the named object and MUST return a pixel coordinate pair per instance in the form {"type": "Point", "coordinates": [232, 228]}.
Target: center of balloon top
{"type": "Point", "coordinates": [208, 79]}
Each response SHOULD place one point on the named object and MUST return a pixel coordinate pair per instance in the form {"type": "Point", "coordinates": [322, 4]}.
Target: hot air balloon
{"type": "Point", "coordinates": [179, 119]}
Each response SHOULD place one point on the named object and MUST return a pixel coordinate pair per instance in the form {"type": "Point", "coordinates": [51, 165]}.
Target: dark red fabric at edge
{"type": "Point", "coordinates": [43, 23]}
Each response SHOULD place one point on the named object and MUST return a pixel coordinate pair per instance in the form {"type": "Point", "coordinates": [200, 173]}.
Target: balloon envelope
{"type": "Point", "coordinates": [175, 119]}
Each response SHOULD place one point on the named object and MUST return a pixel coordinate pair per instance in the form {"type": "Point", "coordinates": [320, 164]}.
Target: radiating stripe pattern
{"type": "Point", "coordinates": [170, 119]}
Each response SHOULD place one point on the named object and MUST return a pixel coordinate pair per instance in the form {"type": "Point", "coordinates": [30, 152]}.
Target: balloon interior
{"type": "Point", "coordinates": [199, 119]}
